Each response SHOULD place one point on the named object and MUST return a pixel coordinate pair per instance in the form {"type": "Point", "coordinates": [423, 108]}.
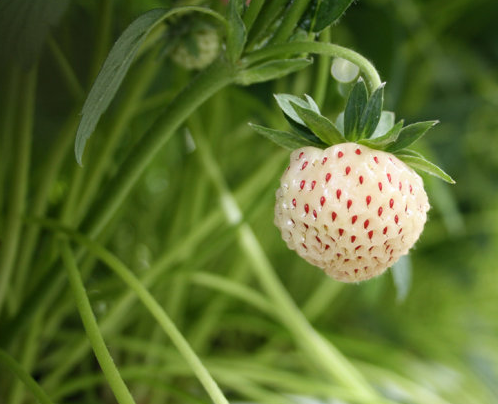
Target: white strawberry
{"type": "Point", "coordinates": [350, 210]}
{"type": "Point", "coordinates": [349, 203]}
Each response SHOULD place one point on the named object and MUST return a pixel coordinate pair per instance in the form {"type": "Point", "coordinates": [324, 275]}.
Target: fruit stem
{"type": "Point", "coordinates": [367, 69]}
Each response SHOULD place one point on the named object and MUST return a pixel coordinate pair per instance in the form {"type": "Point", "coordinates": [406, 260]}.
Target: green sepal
{"type": "Point", "coordinates": [410, 134]}
{"type": "Point", "coordinates": [284, 102]}
{"type": "Point", "coordinates": [418, 162]}
{"type": "Point", "coordinates": [380, 143]}
{"type": "Point", "coordinates": [236, 30]}
{"type": "Point", "coordinates": [303, 131]}
{"type": "Point", "coordinates": [355, 106]}
{"type": "Point", "coordinates": [320, 125]}
{"type": "Point", "coordinates": [371, 114]}
{"type": "Point", "coordinates": [271, 70]}
{"type": "Point", "coordinates": [287, 140]}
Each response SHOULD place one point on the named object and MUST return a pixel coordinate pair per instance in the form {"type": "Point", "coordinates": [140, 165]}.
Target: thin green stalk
{"type": "Point", "coordinates": [148, 301]}
{"type": "Point", "coordinates": [270, 12]}
{"type": "Point", "coordinates": [39, 205]}
{"type": "Point", "coordinates": [290, 21]}
{"type": "Point", "coordinates": [13, 226]}
{"type": "Point", "coordinates": [29, 353]}
{"type": "Point", "coordinates": [367, 69]}
{"type": "Point", "coordinates": [116, 383]}
{"type": "Point", "coordinates": [323, 72]}
{"type": "Point", "coordinates": [10, 363]}
{"type": "Point", "coordinates": [219, 75]}
{"type": "Point", "coordinates": [7, 122]}
{"type": "Point", "coordinates": [103, 37]}
{"type": "Point", "coordinates": [252, 13]}
{"type": "Point", "coordinates": [68, 73]}
{"type": "Point", "coordinates": [322, 352]}
{"type": "Point", "coordinates": [321, 299]}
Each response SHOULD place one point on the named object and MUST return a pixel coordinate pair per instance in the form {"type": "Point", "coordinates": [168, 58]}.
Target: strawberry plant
{"type": "Point", "coordinates": [139, 261]}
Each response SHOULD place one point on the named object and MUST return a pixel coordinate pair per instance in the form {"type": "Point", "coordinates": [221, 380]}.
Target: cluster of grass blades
{"type": "Point", "coordinates": [153, 273]}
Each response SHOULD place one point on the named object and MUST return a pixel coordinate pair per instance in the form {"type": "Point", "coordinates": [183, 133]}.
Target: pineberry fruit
{"type": "Point", "coordinates": [349, 202]}
{"type": "Point", "coordinates": [350, 210]}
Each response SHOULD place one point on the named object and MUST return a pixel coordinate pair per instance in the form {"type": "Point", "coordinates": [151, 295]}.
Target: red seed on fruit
{"type": "Point", "coordinates": [370, 234]}
{"type": "Point", "coordinates": [327, 177]}
{"type": "Point", "coordinates": [338, 194]}
{"type": "Point", "coordinates": [350, 202]}
{"type": "Point", "coordinates": [322, 200]}
{"type": "Point", "coordinates": [358, 151]}
{"type": "Point", "coordinates": [305, 164]}
{"type": "Point", "coordinates": [353, 239]}
{"type": "Point", "coordinates": [391, 203]}
{"type": "Point", "coordinates": [376, 159]}
{"type": "Point", "coordinates": [294, 202]}
{"type": "Point", "coordinates": [365, 225]}
{"type": "Point", "coordinates": [306, 208]}
{"type": "Point", "coordinates": [314, 213]}
{"type": "Point", "coordinates": [369, 199]}
{"type": "Point", "coordinates": [301, 185]}
{"type": "Point", "coordinates": [313, 183]}
{"type": "Point", "coordinates": [361, 179]}
{"type": "Point", "coordinates": [341, 232]}
{"type": "Point", "coordinates": [340, 154]}
{"type": "Point", "coordinates": [379, 212]}
{"type": "Point", "coordinates": [348, 170]}
{"type": "Point", "coordinates": [380, 186]}
{"type": "Point", "coordinates": [334, 215]}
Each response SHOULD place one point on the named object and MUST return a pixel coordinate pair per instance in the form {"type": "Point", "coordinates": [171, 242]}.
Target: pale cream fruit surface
{"type": "Point", "coordinates": [208, 43]}
{"type": "Point", "coordinates": [350, 210]}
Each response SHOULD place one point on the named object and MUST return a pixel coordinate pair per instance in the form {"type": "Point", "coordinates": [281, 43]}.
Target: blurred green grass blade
{"type": "Point", "coordinates": [272, 70]}
{"type": "Point", "coordinates": [24, 26]}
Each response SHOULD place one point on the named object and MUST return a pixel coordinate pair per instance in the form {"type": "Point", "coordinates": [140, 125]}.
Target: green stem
{"type": "Point", "coordinates": [116, 383]}
{"type": "Point", "coordinates": [149, 302]}
{"type": "Point", "coordinates": [368, 70]}
{"type": "Point", "coordinates": [219, 75]}
{"type": "Point", "coordinates": [67, 71]}
{"type": "Point", "coordinates": [103, 37]}
{"type": "Point", "coordinates": [10, 363]}
{"type": "Point", "coordinates": [290, 21]}
{"type": "Point", "coordinates": [323, 72]}
{"type": "Point", "coordinates": [266, 17]}
{"type": "Point", "coordinates": [252, 13]}
{"type": "Point", "coordinates": [13, 226]}
{"type": "Point", "coordinates": [39, 205]}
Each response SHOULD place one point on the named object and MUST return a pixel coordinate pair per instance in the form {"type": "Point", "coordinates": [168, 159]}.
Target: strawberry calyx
{"type": "Point", "coordinates": [363, 121]}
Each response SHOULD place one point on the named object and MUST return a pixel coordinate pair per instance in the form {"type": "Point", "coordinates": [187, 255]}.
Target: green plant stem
{"type": "Point", "coordinates": [38, 207]}
{"type": "Point", "coordinates": [290, 21]}
{"type": "Point", "coordinates": [322, 352]}
{"type": "Point", "coordinates": [13, 226]}
{"type": "Point", "coordinates": [10, 363]}
{"type": "Point", "coordinates": [252, 13]}
{"type": "Point", "coordinates": [116, 383]}
{"type": "Point", "coordinates": [219, 75]}
{"type": "Point", "coordinates": [323, 72]}
{"type": "Point", "coordinates": [367, 69]}
{"type": "Point", "coordinates": [266, 17]}
{"type": "Point", "coordinates": [98, 167]}
{"type": "Point", "coordinates": [7, 125]}
{"type": "Point", "coordinates": [29, 352]}
{"type": "Point", "coordinates": [103, 37]}
{"type": "Point", "coordinates": [149, 302]}
{"type": "Point", "coordinates": [67, 71]}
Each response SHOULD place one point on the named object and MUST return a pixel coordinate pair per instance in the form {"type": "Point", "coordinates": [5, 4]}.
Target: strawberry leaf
{"type": "Point", "coordinates": [321, 126]}
{"type": "Point", "coordinates": [287, 140]}
{"type": "Point", "coordinates": [355, 106]}
{"type": "Point", "coordinates": [236, 30]}
{"type": "Point", "coordinates": [303, 131]}
{"type": "Point", "coordinates": [381, 142]}
{"type": "Point", "coordinates": [328, 12]}
{"type": "Point", "coordinates": [371, 114]}
{"type": "Point", "coordinates": [415, 160]}
{"type": "Point", "coordinates": [410, 134]}
{"type": "Point", "coordinates": [284, 102]}
{"type": "Point", "coordinates": [273, 69]}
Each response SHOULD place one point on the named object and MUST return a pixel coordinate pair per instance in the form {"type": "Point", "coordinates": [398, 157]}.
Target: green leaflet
{"type": "Point", "coordinates": [287, 140]}
{"type": "Point", "coordinates": [273, 69]}
{"type": "Point", "coordinates": [418, 162]}
{"type": "Point", "coordinates": [386, 122]}
{"type": "Point", "coordinates": [321, 126]}
{"type": "Point", "coordinates": [328, 12]}
{"type": "Point", "coordinates": [402, 276]}
{"type": "Point", "coordinates": [410, 134]}
{"type": "Point", "coordinates": [236, 30]}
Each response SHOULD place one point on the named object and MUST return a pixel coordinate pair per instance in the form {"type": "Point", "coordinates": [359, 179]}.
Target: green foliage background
{"type": "Point", "coordinates": [436, 345]}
